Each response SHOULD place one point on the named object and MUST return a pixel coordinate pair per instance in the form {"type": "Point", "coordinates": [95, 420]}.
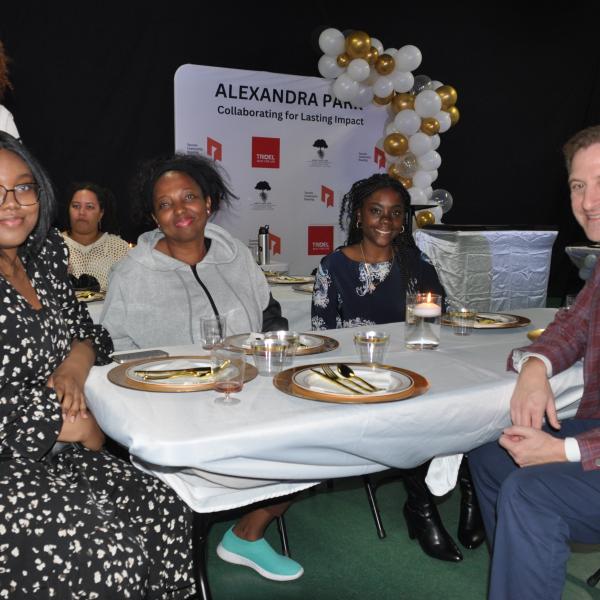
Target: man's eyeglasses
{"type": "Point", "coordinates": [26, 194]}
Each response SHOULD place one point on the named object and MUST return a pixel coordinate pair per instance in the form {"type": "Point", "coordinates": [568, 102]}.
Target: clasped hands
{"type": "Point", "coordinates": [531, 400]}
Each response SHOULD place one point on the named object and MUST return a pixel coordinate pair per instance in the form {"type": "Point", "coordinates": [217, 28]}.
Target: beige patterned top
{"type": "Point", "coordinates": [97, 258]}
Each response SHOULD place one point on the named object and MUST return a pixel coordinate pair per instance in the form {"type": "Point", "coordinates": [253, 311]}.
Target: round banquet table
{"type": "Point", "coordinates": [270, 444]}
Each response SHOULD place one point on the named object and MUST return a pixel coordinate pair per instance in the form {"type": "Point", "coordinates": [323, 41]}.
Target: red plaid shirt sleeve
{"type": "Point", "coordinates": [575, 334]}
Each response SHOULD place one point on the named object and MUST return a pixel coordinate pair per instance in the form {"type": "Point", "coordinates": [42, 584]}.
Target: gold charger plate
{"type": "Point", "coordinates": [405, 384]}
{"type": "Point", "coordinates": [323, 343]}
{"type": "Point", "coordinates": [493, 320]}
{"type": "Point", "coordinates": [119, 375]}
{"type": "Point", "coordinates": [89, 296]}
{"type": "Point", "coordinates": [289, 279]}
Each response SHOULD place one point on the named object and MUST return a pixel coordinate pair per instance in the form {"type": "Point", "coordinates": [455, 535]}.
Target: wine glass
{"type": "Point", "coordinates": [228, 367]}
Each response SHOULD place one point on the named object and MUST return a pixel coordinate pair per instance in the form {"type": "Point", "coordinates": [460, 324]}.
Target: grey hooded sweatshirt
{"type": "Point", "coordinates": [156, 300]}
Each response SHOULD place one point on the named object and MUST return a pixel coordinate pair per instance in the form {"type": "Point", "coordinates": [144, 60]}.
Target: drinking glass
{"type": "Point", "coordinates": [270, 355]}
{"type": "Point", "coordinates": [423, 321]}
{"type": "Point", "coordinates": [462, 319]}
{"type": "Point", "coordinates": [228, 364]}
{"type": "Point", "coordinates": [371, 346]}
{"type": "Point", "coordinates": [292, 338]}
{"type": "Point", "coordinates": [213, 331]}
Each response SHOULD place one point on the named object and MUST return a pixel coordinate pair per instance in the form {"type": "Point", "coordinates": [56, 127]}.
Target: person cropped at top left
{"type": "Point", "coordinates": [91, 250]}
{"type": "Point", "coordinates": [7, 123]}
{"type": "Point", "coordinates": [75, 522]}
{"type": "Point", "coordinates": [185, 270]}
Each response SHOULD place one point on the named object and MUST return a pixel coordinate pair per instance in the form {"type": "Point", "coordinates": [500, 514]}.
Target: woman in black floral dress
{"type": "Point", "coordinates": [75, 522]}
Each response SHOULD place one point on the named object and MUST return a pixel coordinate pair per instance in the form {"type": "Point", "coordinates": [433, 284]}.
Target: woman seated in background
{"type": "Point", "coordinates": [75, 522]}
{"type": "Point", "coordinates": [183, 271]}
{"type": "Point", "coordinates": [365, 282]}
{"type": "Point", "coordinates": [92, 251]}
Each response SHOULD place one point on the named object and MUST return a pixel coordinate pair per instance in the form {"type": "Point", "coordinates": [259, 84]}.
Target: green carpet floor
{"type": "Point", "coordinates": [331, 533]}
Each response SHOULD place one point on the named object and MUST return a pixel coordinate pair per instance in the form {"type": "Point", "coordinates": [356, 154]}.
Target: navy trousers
{"type": "Point", "coordinates": [530, 514]}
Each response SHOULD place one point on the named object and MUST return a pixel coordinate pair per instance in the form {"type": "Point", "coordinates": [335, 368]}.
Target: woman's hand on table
{"type": "Point", "coordinates": [529, 446]}
{"type": "Point", "coordinates": [68, 380]}
{"type": "Point", "coordinates": [533, 397]}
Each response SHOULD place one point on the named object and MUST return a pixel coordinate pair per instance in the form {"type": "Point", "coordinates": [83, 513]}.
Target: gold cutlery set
{"type": "Point", "coordinates": [199, 372]}
{"type": "Point", "coordinates": [346, 378]}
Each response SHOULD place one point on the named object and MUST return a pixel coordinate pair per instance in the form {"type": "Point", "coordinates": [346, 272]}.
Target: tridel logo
{"type": "Point", "coordinates": [265, 153]}
{"type": "Point", "coordinates": [327, 196]}
{"type": "Point", "coordinates": [214, 149]}
{"type": "Point", "coordinates": [320, 239]}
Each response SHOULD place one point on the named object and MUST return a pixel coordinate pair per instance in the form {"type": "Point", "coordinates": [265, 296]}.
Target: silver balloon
{"type": "Point", "coordinates": [407, 165]}
{"type": "Point", "coordinates": [421, 83]}
{"type": "Point", "coordinates": [443, 199]}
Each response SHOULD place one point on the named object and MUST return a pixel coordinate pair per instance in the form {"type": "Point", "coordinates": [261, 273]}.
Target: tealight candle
{"type": "Point", "coordinates": [427, 309]}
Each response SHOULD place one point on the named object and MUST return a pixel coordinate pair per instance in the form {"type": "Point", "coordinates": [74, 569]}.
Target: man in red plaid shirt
{"type": "Point", "coordinates": [539, 486]}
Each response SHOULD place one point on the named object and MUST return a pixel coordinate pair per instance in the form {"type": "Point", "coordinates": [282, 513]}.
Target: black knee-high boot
{"type": "Point", "coordinates": [423, 519]}
{"type": "Point", "coordinates": [471, 533]}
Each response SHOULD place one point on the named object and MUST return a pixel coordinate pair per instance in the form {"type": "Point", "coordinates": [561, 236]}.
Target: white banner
{"type": "Point", "coordinates": [290, 148]}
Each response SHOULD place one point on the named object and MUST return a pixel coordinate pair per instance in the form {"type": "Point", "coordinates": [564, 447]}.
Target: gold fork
{"type": "Point", "coordinates": [331, 374]}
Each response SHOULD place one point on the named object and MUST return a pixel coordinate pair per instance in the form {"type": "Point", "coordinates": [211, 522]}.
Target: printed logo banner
{"type": "Point", "coordinates": [291, 151]}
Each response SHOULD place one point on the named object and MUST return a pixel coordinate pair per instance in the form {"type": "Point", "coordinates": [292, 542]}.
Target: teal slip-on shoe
{"type": "Point", "coordinates": [259, 556]}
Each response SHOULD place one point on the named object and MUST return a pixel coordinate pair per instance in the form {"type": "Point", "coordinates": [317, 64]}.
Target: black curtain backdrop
{"type": "Point", "coordinates": [93, 89]}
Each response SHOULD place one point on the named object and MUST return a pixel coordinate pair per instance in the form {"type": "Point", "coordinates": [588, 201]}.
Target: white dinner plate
{"type": "Point", "coordinates": [390, 382]}
{"type": "Point", "coordinates": [288, 279]}
{"type": "Point", "coordinates": [244, 341]}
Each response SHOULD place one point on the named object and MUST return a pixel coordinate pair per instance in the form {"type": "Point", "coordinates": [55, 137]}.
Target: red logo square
{"type": "Point", "coordinates": [265, 153]}
{"type": "Point", "coordinates": [320, 239]}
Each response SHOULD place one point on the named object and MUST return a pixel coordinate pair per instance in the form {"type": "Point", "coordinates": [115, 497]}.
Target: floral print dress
{"type": "Point", "coordinates": [74, 523]}
{"type": "Point", "coordinates": [348, 293]}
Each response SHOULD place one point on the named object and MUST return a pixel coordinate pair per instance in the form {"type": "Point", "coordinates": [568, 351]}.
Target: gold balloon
{"type": "Point", "coordinates": [372, 55]}
{"type": "Point", "coordinates": [447, 95]}
{"type": "Point", "coordinates": [383, 101]}
{"type": "Point", "coordinates": [405, 181]}
{"type": "Point", "coordinates": [403, 101]}
{"type": "Point", "coordinates": [395, 144]}
{"type": "Point", "coordinates": [343, 60]}
{"type": "Point", "coordinates": [385, 64]}
{"type": "Point", "coordinates": [358, 44]}
{"type": "Point", "coordinates": [424, 218]}
{"type": "Point", "coordinates": [454, 114]}
{"type": "Point", "coordinates": [430, 126]}
{"type": "Point", "coordinates": [394, 172]}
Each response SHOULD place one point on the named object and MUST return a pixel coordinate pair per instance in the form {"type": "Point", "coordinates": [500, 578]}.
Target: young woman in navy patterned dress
{"type": "Point", "coordinates": [75, 522]}
{"type": "Point", "coordinates": [365, 283]}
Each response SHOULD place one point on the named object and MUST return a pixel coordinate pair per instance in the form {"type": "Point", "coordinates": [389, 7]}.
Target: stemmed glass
{"type": "Point", "coordinates": [228, 364]}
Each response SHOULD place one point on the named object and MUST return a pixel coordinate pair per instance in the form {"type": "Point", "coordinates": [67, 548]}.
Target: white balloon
{"type": "Point", "coordinates": [433, 174]}
{"type": "Point", "coordinates": [419, 144]}
{"type": "Point", "coordinates": [428, 191]}
{"type": "Point", "coordinates": [332, 42]}
{"type": "Point", "coordinates": [364, 96]}
{"type": "Point", "coordinates": [430, 160]}
{"type": "Point", "coordinates": [408, 58]}
{"type": "Point", "coordinates": [403, 81]}
{"type": "Point", "coordinates": [390, 128]}
{"type": "Point", "coordinates": [421, 179]}
{"type": "Point", "coordinates": [435, 141]}
{"type": "Point", "coordinates": [345, 88]}
{"type": "Point", "coordinates": [359, 70]}
{"type": "Point", "coordinates": [372, 78]}
{"type": "Point", "coordinates": [417, 195]}
{"type": "Point", "coordinates": [383, 87]}
{"type": "Point", "coordinates": [444, 120]}
{"type": "Point", "coordinates": [375, 43]}
{"type": "Point", "coordinates": [435, 84]}
{"type": "Point", "coordinates": [407, 122]}
{"type": "Point", "coordinates": [437, 213]}
{"type": "Point", "coordinates": [428, 103]}
{"type": "Point", "coordinates": [328, 67]}
{"type": "Point", "coordinates": [391, 51]}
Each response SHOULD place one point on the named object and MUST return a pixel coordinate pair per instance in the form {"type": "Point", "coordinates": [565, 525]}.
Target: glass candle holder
{"type": "Point", "coordinates": [423, 321]}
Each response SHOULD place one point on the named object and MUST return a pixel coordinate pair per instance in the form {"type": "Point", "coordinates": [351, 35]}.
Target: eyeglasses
{"type": "Point", "coordinates": [25, 194]}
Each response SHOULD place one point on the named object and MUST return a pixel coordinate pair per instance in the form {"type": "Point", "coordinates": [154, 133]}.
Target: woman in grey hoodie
{"type": "Point", "coordinates": [185, 270]}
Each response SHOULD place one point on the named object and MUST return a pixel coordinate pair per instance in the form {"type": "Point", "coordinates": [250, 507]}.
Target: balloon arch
{"type": "Point", "coordinates": [420, 109]}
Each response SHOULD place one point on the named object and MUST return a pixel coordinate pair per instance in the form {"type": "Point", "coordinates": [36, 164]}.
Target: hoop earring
{"type": "Point", "coordinates": [402, 230]}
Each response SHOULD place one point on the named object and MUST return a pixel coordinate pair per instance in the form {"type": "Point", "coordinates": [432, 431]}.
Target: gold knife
{"type": "Point", "coordinates": [338, 382]}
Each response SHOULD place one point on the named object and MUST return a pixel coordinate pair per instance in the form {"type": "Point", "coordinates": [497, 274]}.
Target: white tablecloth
{"type": "Point", "coordinates": [295, 307]}
{"type": "Point", "coordinates": [491, 270]}
{"type": "Point", "coordinates": [271, 436]}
